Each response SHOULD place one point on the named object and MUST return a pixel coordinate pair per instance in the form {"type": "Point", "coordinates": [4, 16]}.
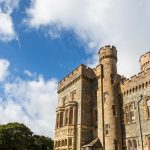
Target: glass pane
{"type": "Point", "coordinates": [135, 144]}
{"type": "Point", "coordinates": [148, 103]}
{"type": "Point", "coordinates": [130, 145]}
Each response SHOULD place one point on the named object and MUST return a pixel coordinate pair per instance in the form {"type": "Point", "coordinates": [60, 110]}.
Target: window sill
{"type": "Point", "coordinates": [130, 123]}
{"type": "Point", "coordinates": [148, 118]}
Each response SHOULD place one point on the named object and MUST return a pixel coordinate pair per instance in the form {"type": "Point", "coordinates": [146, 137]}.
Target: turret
{"type": "Point", "coordinates": [108, 58]}
{"type": "Point", "coordinates": [145, 61]}
{"type": "Point", "coordinates": [110, 100]}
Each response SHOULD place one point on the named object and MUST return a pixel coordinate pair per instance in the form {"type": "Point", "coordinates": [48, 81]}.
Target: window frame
{"type": "Point", "coordinates": [129, 114]}
{"type": "Point", "coordinates": [148, 108]}
{"type": "Point", "coordinates": [132, 143]}
{"type": "Point", "coordinates": [147, 113]}
{"type": "Point", "coordinates": [73, 95]}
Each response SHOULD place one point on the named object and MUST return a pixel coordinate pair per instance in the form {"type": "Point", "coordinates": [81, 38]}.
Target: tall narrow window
{"type": "Point", "coordinates": [134, 143]}
{"type": "Point", "coordinates": [71, 116]}
{"type": "Point", "coordinates": [116, 144]}
{"type": "Point", "coordinates": [132, 117]}
{"type": "Point", "coordinates": [66, 117]}
{"type": "Point", "coordinates": [95, 120]}
{"type": "Point", "coordinates": [57, 121]}
{"type": "Point", "coordinates": [148, 107]}
{"type": "Point", "coordinates": [64, 99]}
{"type": "Point", "coordinates": [130, 145]}
{"type": "Point", "coordinates": [65, 142]}
{"type": "Point", "coordinates": [61, 119]}
{"type": "Point", "coordinates": [107, 126]}
{"type": "Point", "coordinates": [126, 115]}
{"type": "Point", "coordinates": [56, 144]}
{"type": "Point", "coordinates": [149, 143]}
{"type": "Point", "coordinates": [129, 113]}
{"type": "Point", "coordinates": [73, 95]}
{"type": "Point", "coordinates": [70, 142]}
{"type": "Point", "coordinates": [114, 110]}
{"type": "Point", "coordinates": [105, 97]}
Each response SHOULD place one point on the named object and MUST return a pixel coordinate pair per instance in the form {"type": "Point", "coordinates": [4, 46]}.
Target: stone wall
{"type": "Point", "coordinates": [98, 101]}
{"type": "Point", "coordinates": [132, 90]}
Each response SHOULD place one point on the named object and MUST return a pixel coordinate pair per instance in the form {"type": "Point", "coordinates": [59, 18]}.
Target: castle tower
{"type": "Point", "coordinates": [145, 61]}
{"type": "Point", "coordinates": [109, 130]}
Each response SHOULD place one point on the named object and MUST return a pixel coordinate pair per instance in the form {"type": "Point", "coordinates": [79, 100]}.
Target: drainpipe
{"type": "Point", "coordinates": [139, 121]}
{"type": "Point", "coordinates": [103, 121]}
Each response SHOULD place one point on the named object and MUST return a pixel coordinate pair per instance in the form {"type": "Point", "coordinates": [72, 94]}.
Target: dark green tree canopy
{"type": "Point", "coordinates": [18, 136]}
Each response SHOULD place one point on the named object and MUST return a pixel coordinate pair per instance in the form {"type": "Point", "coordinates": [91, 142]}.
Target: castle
{"type": "Point", "coordinates": [100, 110]}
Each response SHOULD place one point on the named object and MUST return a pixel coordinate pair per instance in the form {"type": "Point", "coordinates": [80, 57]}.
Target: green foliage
{"type": "Point", "coordinates": [45, 142]}
{"type": "Point", "coordinates": [16, 135]}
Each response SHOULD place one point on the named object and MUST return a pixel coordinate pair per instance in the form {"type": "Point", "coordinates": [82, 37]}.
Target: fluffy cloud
{"type": "Point", "coordinates": [124, 24]}
{"type": "Point", "coordinates": [32, 102]}
{"type": "Point", "coordinates": [7, 31]}
{"type": "Point", "coordinates": [4, 65]}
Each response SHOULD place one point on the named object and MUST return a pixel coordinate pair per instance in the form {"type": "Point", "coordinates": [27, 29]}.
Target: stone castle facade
{"type": "Point", "coordinates": [100, 110]}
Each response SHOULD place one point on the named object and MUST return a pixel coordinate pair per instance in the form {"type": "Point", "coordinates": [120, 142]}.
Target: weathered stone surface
{"type": "Point", "coordinates": [92, 104]}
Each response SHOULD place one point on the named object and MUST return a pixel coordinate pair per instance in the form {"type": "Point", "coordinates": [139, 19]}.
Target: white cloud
{"type": "Point", "coordinates": [4, 65]}
{"type": "Point", "coordinates": [29, 73]}
{"type": "Point", "coordinates": [7, 31]}
{"type": "Point", "coordinates": [124, 24]}
{"type": "Point", "coordinates": [32, 102]}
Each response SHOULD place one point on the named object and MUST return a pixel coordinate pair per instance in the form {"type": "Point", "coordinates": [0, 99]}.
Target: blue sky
{"type": "Point", "coordinates": [41, 41]}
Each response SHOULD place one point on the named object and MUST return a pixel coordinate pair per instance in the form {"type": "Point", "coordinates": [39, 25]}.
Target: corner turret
{"type": "Point", "coordinates": [108, 105]}
{"type": "Point", "coordinates": [145, 61]}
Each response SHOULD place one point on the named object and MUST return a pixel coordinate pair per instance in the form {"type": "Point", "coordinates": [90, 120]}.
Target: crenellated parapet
{"type": "Point", "coordinates": [145, 61]}
{"type": "Point", "coordinates": [107, 51]}
{"type": "Point", "coordinates": [136, 83]}
{"type": "Point", "coordinates": [74, 76]}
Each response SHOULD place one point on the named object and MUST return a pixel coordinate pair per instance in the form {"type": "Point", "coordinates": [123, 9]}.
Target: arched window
{"type": "Point", "coordinates": [134, 144]}
{"type": "Point", "coordinates": [132, 117]}
{"type": "Point", "coordinates": [148, 107]}
{"type": "Point", "coordinates": [130, 145]}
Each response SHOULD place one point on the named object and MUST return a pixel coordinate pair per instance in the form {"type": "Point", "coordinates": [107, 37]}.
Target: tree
{"type": "Point", "coordinates": [45, 143]}
{"type": "Point", "coordinates": [16, 136]}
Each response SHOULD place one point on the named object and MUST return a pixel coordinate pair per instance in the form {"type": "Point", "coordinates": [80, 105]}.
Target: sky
{"type": "Point", "coordinates": [41, 41]}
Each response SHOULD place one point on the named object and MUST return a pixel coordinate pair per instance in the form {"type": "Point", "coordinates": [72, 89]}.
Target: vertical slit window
{"type": "Point", "coordinates": [114, 111]}
{"type": "Point", "coordinates": [148, 107]}
{"type": "Point", "coordinates": [71, 116]}
{"type": "Point", "coordinates": [66, 117]}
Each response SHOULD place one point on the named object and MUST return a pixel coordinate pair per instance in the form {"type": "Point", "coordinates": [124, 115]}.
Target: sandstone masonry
{"type": "Point", "coordinates": [100, 110]}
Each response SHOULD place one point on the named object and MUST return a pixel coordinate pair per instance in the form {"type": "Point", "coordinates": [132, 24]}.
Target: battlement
{"type": "Point", "coordinates": [107, 47]}
{"type": "Point", "coordinates": [136, 82]}
{"type": "Point", "coordinates": [82, 70]}
{"type": "Point", "coordinates": [145, 61]}
{"type": "Point", "coordinates": [107, 51]}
